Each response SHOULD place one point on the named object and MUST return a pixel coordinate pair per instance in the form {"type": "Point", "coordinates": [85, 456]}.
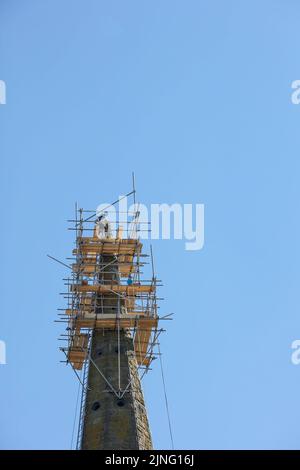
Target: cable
{"type": "Point", "coordinates": [112, 204]}
{"type": "Point", "coordinates": [60, 262]}
{"type": "Point", "coordinates": [75, 417]}
{"type": "Point", "coordinates": [166, 398]}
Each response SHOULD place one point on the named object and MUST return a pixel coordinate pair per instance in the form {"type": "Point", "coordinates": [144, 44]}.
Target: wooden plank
{"type": "Point", "coordinates": [109, 241]}
{"type": "Point", "coordinates": [106, 250]}
{"type": "Point", "coordinates": [77, 359]}
{"type": "Point", "coordinates": [138, 313]}
{"type": "Point", "coordinates": [130, 303]}
{"type": "Point", "coordinates": [89, 245]}
{"type": "Point", "coordinates": [106, 288]}
{"type": "Point", "coordinates": [143, 323]}
{"type": "Point", "coordinates": [87, 268]}
{"type": "Point", "coordinates": [125, 269]}
{"type": "Point", "coordinates": [141, 340]}
{"type": "Point", "coordinates": [77, 351]}
{"type": "Point", "coordinates": [84, 268]}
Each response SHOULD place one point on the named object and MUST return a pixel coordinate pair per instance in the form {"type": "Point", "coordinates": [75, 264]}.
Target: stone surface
{"type": "Point", "coordinates": [109, 423]}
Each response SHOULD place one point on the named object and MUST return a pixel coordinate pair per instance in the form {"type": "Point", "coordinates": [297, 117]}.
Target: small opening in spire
{"type": "Point", "coordinates": [95, 406]}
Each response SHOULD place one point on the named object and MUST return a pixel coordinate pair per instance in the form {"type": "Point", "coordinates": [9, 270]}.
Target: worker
{"type": "Point", "coordinates": [103, 227]}
{"type": "Point", "coordinates": [129, 280]}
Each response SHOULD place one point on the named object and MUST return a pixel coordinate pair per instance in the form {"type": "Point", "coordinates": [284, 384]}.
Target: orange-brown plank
{"type": "Point", "coordinates": [110, 323]}
{"type": "Point", "coordinates": [141, 340]}
{"type": "Point", "coordinates": [129, 290]}
{"type": "Point", "coordinates": [93, 249]}
{"type": "Point", "coordinates": [109, 241]}
{"type": "Point", "coordinates": [69, 311]}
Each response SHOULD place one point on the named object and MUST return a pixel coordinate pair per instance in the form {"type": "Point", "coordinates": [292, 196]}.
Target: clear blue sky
{"type": "Point", "coordinates": [194, 97]}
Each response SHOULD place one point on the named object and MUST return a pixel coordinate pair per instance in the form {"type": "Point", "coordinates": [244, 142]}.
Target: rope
{"type": "Point", "coordinates": [166, 398]}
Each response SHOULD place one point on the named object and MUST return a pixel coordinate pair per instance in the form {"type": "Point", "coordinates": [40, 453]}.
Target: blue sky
{"type": "Point", "coordinates": [195, 97]}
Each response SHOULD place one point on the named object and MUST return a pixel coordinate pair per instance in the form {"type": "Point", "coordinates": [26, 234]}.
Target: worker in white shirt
{"type": "Point", "coordinates": [103, 227]}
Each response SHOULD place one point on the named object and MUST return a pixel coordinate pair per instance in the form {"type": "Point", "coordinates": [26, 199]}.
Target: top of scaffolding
{"type": "Point", "coordinates": [107, 288]}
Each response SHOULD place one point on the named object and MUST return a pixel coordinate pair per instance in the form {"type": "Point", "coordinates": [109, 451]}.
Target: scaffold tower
{"type": "Point", "coordinates": [111, 327]}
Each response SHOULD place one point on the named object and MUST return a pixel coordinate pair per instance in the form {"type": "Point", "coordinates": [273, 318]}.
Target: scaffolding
{"type": "Point", "coordinates": [107, 290]}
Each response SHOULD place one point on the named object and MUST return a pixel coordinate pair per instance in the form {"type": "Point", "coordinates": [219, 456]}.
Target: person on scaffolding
{"type": "Point", "coordinates": [103, 227]}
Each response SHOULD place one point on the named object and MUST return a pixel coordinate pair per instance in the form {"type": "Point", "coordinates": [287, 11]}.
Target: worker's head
{"type": "Point", "coordinates": [101, 216]}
